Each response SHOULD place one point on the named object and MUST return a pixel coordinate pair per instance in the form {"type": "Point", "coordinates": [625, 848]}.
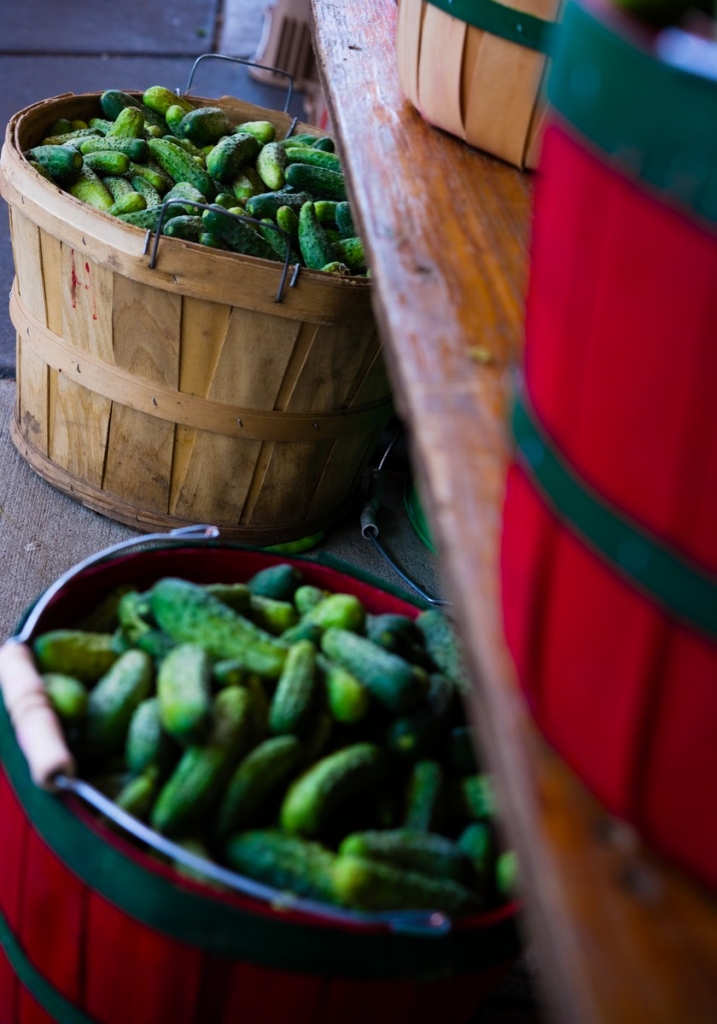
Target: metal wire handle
{"type": "Point", "coordinates": [410, 922]}
{"type": "Point", "coordinates": [202, 531]}
{"type": "Point", "coordinates": [370, 530]}
{"type": "Point", "coordinates": [235, 216]}
{"type": "Point", "coordinates": [250, 63]}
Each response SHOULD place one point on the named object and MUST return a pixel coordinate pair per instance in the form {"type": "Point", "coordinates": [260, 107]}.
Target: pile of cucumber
{"type": "Point", "coordinates": [283, 731]}
{"type": "Point", "coordinates": [233, 187]}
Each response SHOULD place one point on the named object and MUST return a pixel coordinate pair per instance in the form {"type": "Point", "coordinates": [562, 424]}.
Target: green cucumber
{"type": "Point", "coordinates": [347, 698]}
{"type": "Point", "coordinates": [278, 581]}
{"type": "Point", "coordinates": [477, 842]}
{"type": "Point", "coordinates": [136, 149]}
{"type": "Point", "coordinates": [152, 174]}
{"type": "Point", "coordinates": [429, 852]}
{"type": "Point", "coordinates": [328, 783]}
{"type": "Point", "coordinates": [265, 204]}
{"type": "Point", "coordinates": [204, 125]}
{"type": "Point", "coordinates": [320, 181]}
{"type": "Point", "coordinates": [256, 777]}
{"type": "Point", "coordinates": [351, 252]}
{"type": "Point", "coordinates": [68, 696]}
{"type": "Point", "coordinates": [137, 797]}
{"type": "Point", "coordinates": [184, 693]}
{"type": "Point", "coordinates": [186, 611]}
{"type": "Point", "coordinates": [79, 653]}
{"type": "Point", "coordinates": [392, 680]}
{"type": "Point", "coordinates": [307, 597]}
{"type": "Point", "coordinates": [159, 99]}
{"type": "Point", "coordinates": [338, 611]}
{"type": "Point", "coordinates": [147, 744]}
{"type": "Point", "coordinates": [129, 124]}
{"type": "Point", "coordinates": [181, 167]}
{"type": "Point", "coordinates": [240, 236]}
{"type": "Point", "coordinates": [325, 142]}
{"type": "Point", "coordinates": [270, 165]}
{"type": "Point", "coordinates": [311, 155]}
{"type": "Point", "coordinates": [130, 202]}
{"type": "Point", "coordinates": [152, 196]}
{"type": "Point", "coordinates": [64, 163]}
{"type": "Point", "coordinates": [316, 248]}
{"type": "Point", "coordinates": [471, 797]}
{"type": "Point", "coordinates": [108, 162]}
{"type": "Point", "coordinates": [443, 645]}
{"type": "Point", "coordinates": [424, 795]}
{"type": "Point", "coordinates": [263, 131]}
{"type": "Point", "coordinates": [114, 101]}
{"type": "Point", "coordinates": [287, 863]}
{"type": "Point", "coordinates": [236, 595]}
{"type": "Point", "coordinates": [112, 702]}
{"type": "Point", "coordinates": [296, 692]}
{"type": "Point", "coordinates": [375, 886]}
{"type": "Point", "coordinates": [230, 153]}
{"type": "Point", "coordinates": [272, 615]}
{"type": "Point", "coordinates": [187, 227]}
{"type": "Point", "coordinates": [198, 779]}
{"type": "Point", "coordinates": [344, 221]}
{"type": "Point", "coordinates": [245, 184]}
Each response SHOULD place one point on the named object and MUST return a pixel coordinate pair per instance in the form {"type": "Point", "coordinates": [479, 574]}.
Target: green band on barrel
{"type": "Point", "coordinates": [682, 589]}
{"type": "Point", "coordinates": [58, 1007]}
{"type": "Point", "coordinates": [499, 20]}
{"type": "Point", "coordinates": [652, 121]}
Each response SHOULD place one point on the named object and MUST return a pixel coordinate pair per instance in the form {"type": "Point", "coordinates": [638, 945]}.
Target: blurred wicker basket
{"type": "Point", "coordinates": [475, 68]}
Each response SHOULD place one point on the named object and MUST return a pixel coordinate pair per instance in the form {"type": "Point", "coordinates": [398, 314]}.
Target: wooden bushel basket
{"type": "Point", "coordinates": [184, 393]}
{"type": "Point", "coordinates": [475, 68]}
{"type": "Point", "coordinates": [95, 930]}
{"type": "Point", "coordinates": [610, 539]}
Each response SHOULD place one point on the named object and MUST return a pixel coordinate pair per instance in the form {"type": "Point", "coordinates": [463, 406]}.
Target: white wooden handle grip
{"type": "Point", "coordinates": [37, 727]}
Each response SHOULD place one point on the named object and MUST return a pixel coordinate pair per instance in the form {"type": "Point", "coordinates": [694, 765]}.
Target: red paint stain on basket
{"type": "Point", "coordinates": [73, 282]}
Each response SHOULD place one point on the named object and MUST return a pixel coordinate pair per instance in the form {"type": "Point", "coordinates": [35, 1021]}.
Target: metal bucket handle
{"type": "Point", "coordinates": [235, 216]}
{"type": "Point", "coordinates": [250, 63]}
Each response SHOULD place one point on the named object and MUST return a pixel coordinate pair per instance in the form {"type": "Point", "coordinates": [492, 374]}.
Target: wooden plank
{"type": "Point", "coordinates": [32, 372]}
{"type": "Point", "coordinates": [144, 341]}
{"type": "Point", "coordinates": [620, 936]}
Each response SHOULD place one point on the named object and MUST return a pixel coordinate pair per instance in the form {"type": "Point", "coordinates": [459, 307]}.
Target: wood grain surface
{"type": "Point", "coordinates": [621, 937]}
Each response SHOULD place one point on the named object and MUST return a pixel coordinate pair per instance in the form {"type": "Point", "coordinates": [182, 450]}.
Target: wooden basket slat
{"type": "Point", "coordinates": [408, 31]}
{"type": "Point", "coordinates": [85, 290]}
{"type": "Point", "coordinates": [206, 487]}
{"type": "Point", "coordinates": [440, 68]}
{"type": "Point", "coordinates": [288, 484]}
{"type": "Point", "coordinates": [27, 242]}
{"type": "Point", "coordinates": [73, 408]}
{"type": "Point", "coordinates": [203, 330]}
{"type": "Point", "coordinates": [490, 89]}
{"type": "Point", "coordinates": [152, 351]}
{"type": "Point", "coordinates": [340, 469]}
{"type": "Point", "coordinates": [32, 372]}
{"type": "Point", "coordinates": [138, 464]}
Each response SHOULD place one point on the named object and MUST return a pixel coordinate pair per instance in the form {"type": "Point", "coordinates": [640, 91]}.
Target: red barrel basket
{"type": "Point", "coordinates": [93, 930]}
{"type": "Point", "coordinates": [609, 553]}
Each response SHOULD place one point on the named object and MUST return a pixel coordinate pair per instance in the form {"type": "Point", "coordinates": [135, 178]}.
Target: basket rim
{"type": "Point", "coordinates": [123, 248]}
{"type": "Point", "coordinates": [234, 924]}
